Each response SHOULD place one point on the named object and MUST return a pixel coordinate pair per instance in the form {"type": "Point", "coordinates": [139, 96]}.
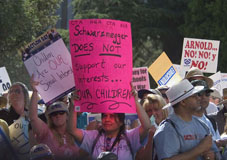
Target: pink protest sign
{"type": "Point", "coordinates": [200, 53]}
{"type": "Point", "coordinates": [140, 78]}
{"type": "Point", "coordinates": [101, 51]}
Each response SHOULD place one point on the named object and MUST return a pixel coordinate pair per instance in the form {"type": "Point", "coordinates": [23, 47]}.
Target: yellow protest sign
{"type": "Point", "coordinates": [163, 71]}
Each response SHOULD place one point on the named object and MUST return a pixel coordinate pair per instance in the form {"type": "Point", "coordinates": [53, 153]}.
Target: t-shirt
{"type": "Point", "coordinates": [121, 149]}
{"type": "Point", "coordinates": [65, 151]}
{"type": "Point", "coordinates": [169, 141]}
{"type": "Point", "coordinates": [215, 134]}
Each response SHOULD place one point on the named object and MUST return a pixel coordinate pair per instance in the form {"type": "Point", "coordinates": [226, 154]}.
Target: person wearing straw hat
{"type": "Point", "coordinates": [182, 136]}
{"type": "Point", "coordinates": [195, 74]}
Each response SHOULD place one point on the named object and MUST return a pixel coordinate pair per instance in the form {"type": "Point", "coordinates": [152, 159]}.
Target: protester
{"type": "Point", "coordinates": [3, 101]}
{"type": "Point", "coordinates": [195, 74]}
{"type": "Point", "coordinates": [6, 150]}
{"type": "Point", "coordinates": [41, 152]}
{"type": "Point", "coordinates": [153, 105]}
{"type": "Point", "coordinates": [182, 136]}
{"type": "Point", "coordinates": [162, 89]}
{"type": "Point", "coordinates": [112, 136]}
{"type": "Point", "coordinates": [215, 96]}
{"type": "Point", "coordinates": [54, 134]}
{"type": "Point", "coordinates": [18, 100]}
{"type": "Point", "coordinates": [220, 116]}
{"type": "Point", "coordinates": [200, 113]}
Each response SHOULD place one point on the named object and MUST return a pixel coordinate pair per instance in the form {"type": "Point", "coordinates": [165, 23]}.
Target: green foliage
{"type": "Point", "coordinates": [22, 21]}
{"type": "Point", "coordinates": [205, 19]}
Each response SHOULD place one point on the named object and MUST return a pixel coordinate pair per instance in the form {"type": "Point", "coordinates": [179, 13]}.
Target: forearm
{"type": "Point", "coordinates": [143, 117]}
{"type": "Point", "coordinates": [33, 106]}
{"type": "Point", "coordinates": [72, 125]}
{"type": "Point", "coordinates": [192, 154]}
{"type": "Point", "coordinates": [35, 121]}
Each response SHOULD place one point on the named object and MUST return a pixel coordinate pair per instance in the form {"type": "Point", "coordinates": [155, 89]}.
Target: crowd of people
{"type": "Point", "coordinates": [186, 121]}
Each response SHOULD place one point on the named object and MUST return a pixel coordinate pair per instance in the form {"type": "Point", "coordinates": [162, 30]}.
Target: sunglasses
{"type": "Point", "coordinates": [206, 93]}
{"type": "Point", "coordinates": [57, 113]}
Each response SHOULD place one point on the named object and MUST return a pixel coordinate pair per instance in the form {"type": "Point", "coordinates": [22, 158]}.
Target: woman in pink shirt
{"type": "Point", "coordinates": [54, 134]}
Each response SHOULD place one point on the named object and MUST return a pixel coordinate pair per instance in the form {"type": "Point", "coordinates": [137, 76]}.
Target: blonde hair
{"type": "Point", "coordinates": [69, 137]}
{"type": "Point", "coordinates": [154, 98]}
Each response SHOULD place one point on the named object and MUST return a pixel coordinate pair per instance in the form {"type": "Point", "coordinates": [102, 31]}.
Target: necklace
{"type": "Point", "coordinates": [64, 139]}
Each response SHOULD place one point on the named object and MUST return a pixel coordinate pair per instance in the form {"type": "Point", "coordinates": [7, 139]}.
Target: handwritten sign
{"type": "Point", "coordinates": [140, 78]}
{"type": "Point", "coordinates": [224, 80]}
{"type": "Point", "coordinates": [163, 71]}
{"type": "Point", "coordinates": [49, 60]}
{"type": "Point", "coordinates": [200, 53]}
{"type": "Point", "coordinates": [4, 80]}
{"type": "Point", "coordinates": [101, 51]}
{"type": "Point", "coordinates": [19, 137]}
{"type": "Point", "coordinates": [179, 70]}
{"type": "Point", "coordinates": [217, 78]}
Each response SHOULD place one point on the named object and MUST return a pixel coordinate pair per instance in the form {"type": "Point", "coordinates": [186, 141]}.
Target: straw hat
{"type": "Point", "coordinates": [196, 73]}
{"type": "Point", "coordinates": [215, 93]}
{"type": "Point", "coordinates": [181, 91]}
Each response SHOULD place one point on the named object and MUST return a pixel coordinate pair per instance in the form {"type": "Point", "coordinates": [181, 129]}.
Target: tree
{"type": "Point", "coordinates": [20, 22]}
{"type": "Point", "coordinates": [155, 24]}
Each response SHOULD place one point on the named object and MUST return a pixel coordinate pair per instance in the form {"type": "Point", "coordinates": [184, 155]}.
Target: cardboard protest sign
{"type": "Point", "coordinates": [200, 53]}
{"type": "Point", "coordinates": [140, 78]}
{"type": "Point", "coordinates": [101, 51]}
{"type": "Point", "coordinates": [217, 78]}
{"type": "Point", "coordinates": [163, 71]}
{"type": "Point", "coordinates": [19, 137]}
{"type": "Point", "coordinates": [49, 60]}
{"type": "Point", "coordinates": [180, 70]}
{"type": "Point", "coordinates": [4, 80]}
{"type": "Point", "coordinates": [224, 80]}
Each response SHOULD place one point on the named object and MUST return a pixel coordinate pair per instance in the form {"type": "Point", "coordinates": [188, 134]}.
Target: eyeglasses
{"type": "Point", "coordinates": [17, 91]}
{"type": "Point", "coordinates": [206, 93]}
{"type": "Point", "coordinates": [57, 113]}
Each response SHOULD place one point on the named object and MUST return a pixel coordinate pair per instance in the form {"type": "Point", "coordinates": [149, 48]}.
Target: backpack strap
{"type": "Point", "coordinates": [154, 155]}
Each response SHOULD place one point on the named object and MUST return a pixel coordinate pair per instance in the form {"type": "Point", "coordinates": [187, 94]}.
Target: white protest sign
{"type": "Point", "coordinates": [217, 82]}
{"type": "Point", "coordinates": [52, 67]}
{"type": "Point", "coordinates": [19, 137]}
{"type": "Point", "coordinates": [180, 70]}
{"type": "Point", "coordinates": [140, 78]}
{"type": "Point", "coordinates": [4, 80]}
{"type": "Point", "coordinates": [224, 80]}
{"type": "Point", "coordinates": [200, 53]}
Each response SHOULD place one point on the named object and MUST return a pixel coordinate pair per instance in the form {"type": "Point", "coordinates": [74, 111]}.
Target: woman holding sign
{"type": "Point", "coordinates": [55, 135]}
{"type": "Point", "coordinates": [113, 136]}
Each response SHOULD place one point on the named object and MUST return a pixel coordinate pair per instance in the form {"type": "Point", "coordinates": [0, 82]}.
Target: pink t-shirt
{"type": "Point", "coordinates": [65, 151]}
